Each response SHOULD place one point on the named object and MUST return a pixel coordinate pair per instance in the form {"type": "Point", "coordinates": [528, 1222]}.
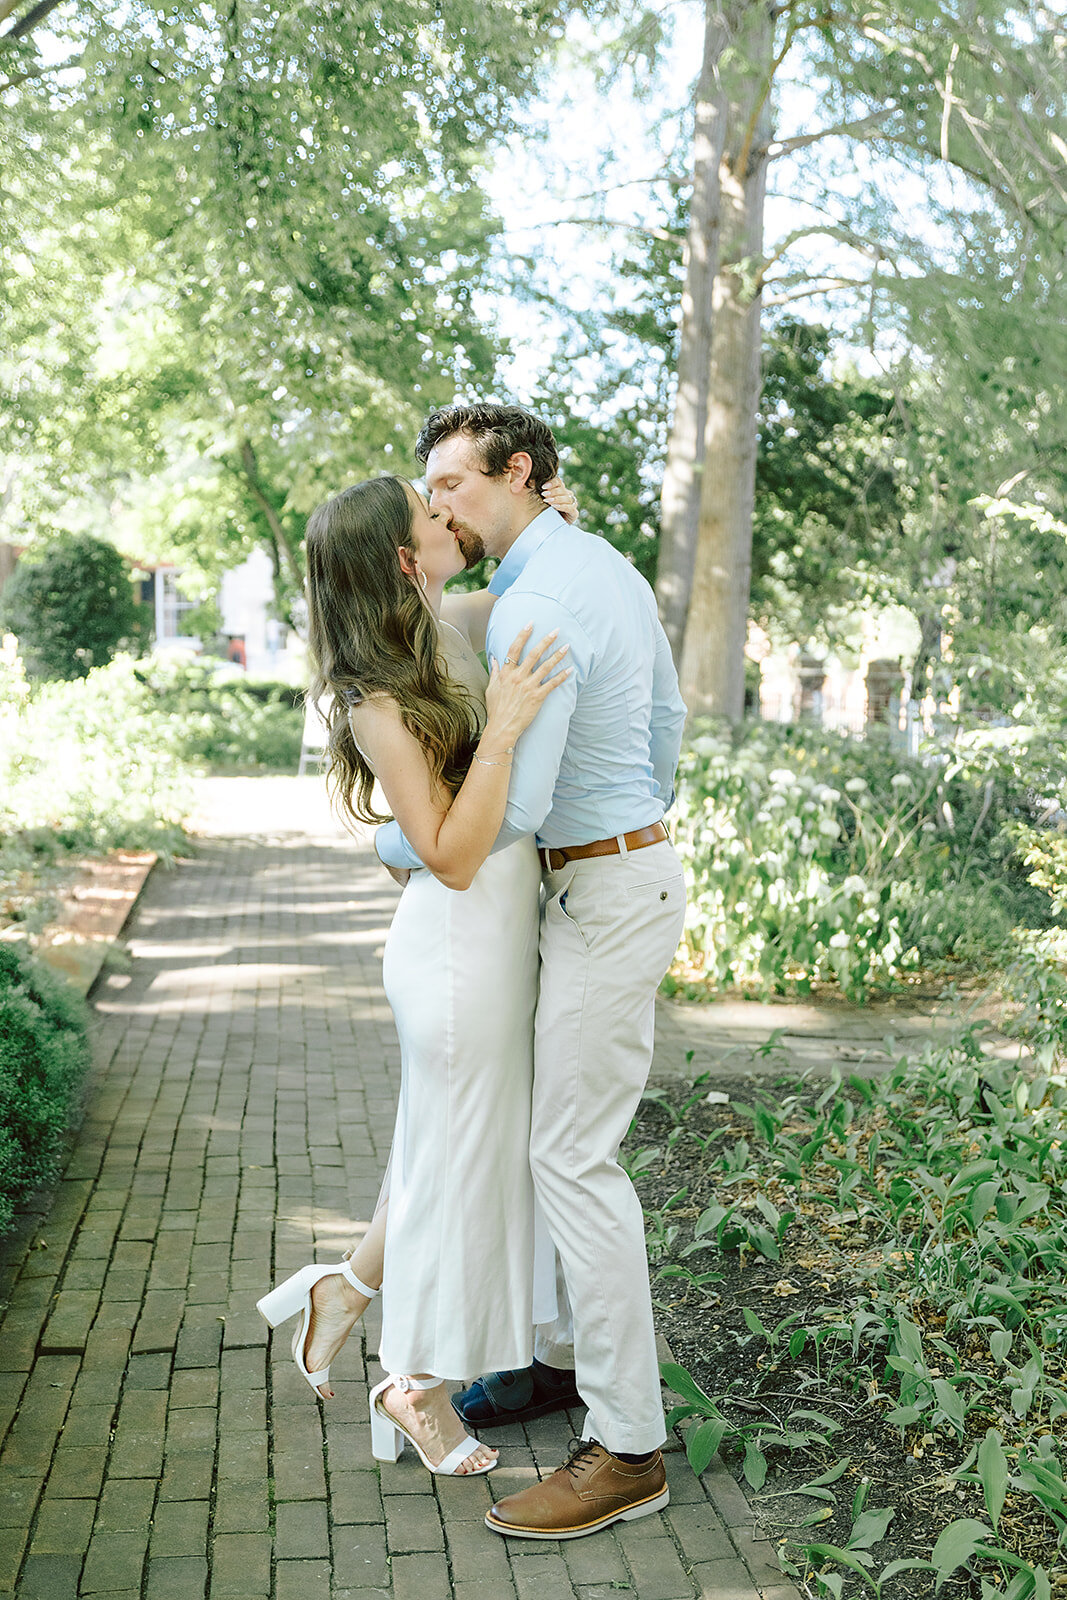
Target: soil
{"type": "Point", "coordinates": [907, 1470]}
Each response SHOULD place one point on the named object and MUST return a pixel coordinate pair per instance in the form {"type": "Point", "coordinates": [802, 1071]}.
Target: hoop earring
{"type": "Point", "coordinates": [422, 582]}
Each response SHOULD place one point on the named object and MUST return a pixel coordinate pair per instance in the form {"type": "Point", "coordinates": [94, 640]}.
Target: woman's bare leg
{"type": "Point", "coordinates": [336, 1307]}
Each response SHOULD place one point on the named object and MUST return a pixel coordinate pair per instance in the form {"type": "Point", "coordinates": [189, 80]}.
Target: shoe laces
{"type": "Point", "coordinates": [582, 1450]}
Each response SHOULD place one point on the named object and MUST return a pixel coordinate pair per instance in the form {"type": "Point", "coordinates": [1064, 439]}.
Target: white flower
{"type": "Point", "coordinates": [854, 885]}
{"type": "Point", "coordinates": [856, 785]}
{"type": "Point", "coordinates": [839, 941]}
{"type": "Point", "coordinates": [900, 780]}
{"type": "Point", "coordinates": [828, 827]}
{"type": "Point", "coordinates": [775, 802]}
{"type": "Point", "coordinates": [783, 776]}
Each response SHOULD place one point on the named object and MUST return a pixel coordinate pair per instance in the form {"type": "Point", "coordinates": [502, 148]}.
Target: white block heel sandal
{"type": "Point", "coordinates": [387, 1435]}
{"type": "Point", "coordinates": [293, 1297]}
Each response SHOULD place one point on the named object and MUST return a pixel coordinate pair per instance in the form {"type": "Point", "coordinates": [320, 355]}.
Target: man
{"type": "Point", "coordinates": [592, 778]}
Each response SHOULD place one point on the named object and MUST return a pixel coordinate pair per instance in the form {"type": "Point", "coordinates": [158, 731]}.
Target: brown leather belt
{"type": "Point", "coordinates": [553, 859]}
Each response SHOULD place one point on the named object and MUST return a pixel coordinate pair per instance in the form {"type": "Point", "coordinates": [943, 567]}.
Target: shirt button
{"type": "Point", "coordinates": [663, 894]}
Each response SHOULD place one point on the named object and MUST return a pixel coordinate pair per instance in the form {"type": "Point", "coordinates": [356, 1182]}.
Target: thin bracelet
{"type": "Point", "coordinates": [482, 762]}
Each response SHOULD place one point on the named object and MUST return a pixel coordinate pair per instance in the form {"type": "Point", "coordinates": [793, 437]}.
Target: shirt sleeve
{"type": "Point", "coordinates": [539, 751]}
{"type": "Point", "coordinates": [668, 718]}
{"type": "Point", "coordinates": [393, 848]}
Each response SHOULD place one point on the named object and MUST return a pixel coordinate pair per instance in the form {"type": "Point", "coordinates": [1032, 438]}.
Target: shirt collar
{"type": "Point", "coordinates": [530, 539]}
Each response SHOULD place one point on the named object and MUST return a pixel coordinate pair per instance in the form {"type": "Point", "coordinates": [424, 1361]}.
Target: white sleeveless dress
{"type": "Point", "coordinates": [460, 972]}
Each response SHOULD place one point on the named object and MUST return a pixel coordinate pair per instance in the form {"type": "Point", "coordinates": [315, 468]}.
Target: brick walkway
{"type": "Point", "coordinates": [157, 1446]}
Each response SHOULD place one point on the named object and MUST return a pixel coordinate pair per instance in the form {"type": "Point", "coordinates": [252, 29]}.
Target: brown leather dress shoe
{"type": "Point", "coordinates": [590, 1491]}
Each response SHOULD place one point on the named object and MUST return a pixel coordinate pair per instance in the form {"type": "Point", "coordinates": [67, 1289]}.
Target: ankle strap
{"type": "Point", "coordinates": [357, 1283]}
{"type": "Point", "coordinates": [402, 1382]}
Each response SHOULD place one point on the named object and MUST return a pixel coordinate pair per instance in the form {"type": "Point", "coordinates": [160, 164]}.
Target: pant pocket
{"type": "Point", "coordinates": [564, 916]}
{"type": "Point", "coordinates": [658, 906]}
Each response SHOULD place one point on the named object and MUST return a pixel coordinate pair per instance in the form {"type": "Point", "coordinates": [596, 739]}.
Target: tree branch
{"type": "Point", "coordinates": [27, 23]}
{"type": "Point", "coordinates": [974, 126]}
{"type": "Point", "coordinates": [846, 130]}
{"type": "Point", "coordinates": [259, 494]}
{"type": "Point", "coordinates": [824, 286]}
{"type": "Point", "coordinates": [878, 37]}
{"type": "Point", "coordinates": [843, 235]}
{"type": "Point", "coordinates": [38, 72]}
{"type": "Point", "coordinates": [624, 225]}
{"type": "Point", "coordinates": [946, 115]}
{"type": "Point", "coordinates": [980, 51]}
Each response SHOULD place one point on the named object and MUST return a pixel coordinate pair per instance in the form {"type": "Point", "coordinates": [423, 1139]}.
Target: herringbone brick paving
{"type": "Point", "coordinates": [157, 1444]}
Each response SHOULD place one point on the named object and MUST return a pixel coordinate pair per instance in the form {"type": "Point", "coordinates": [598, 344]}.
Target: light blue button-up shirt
{"type": "Point", "coordinates": [599, 758]}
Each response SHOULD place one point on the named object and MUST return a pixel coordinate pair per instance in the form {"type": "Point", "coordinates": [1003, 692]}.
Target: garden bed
{"type": "Point", "coordinates": [88, 903]}
{"type": "Point", "coordinates": [863, 1286]}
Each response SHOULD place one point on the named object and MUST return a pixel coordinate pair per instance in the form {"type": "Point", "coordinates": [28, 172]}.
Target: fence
{"type": "Point", "coordinates": [907, 722]}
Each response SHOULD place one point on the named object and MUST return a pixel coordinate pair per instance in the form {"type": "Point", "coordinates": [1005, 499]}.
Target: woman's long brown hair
{"type": "Point", "coordinates": [370, 632]}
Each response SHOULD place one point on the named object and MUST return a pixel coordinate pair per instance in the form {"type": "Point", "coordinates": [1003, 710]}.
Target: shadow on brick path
{"type": "Point", "coordinates": [156, 1443]}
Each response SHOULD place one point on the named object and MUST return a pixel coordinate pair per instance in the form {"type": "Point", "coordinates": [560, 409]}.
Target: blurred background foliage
{"type": "Point", "coordinates": [245, 249]}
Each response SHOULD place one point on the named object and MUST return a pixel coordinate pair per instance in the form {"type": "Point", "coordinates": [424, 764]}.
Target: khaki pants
{"type": "Point", "coordinates": [609, 928]}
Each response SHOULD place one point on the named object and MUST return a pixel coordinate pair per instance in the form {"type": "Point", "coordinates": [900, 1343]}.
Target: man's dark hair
{"type": "Point", "coordinates": [498, 432]}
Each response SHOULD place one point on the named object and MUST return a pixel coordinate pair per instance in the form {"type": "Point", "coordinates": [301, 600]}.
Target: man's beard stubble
{"type": "Point", "coordinates": [471, 545]}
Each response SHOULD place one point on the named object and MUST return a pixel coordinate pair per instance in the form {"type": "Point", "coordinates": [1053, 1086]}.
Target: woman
{"type": "Point", "coordinates": [414, 709]}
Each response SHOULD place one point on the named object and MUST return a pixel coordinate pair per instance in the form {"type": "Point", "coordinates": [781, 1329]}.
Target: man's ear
{"type": "Point", "coordinates": [518, 469]}
{"type": "Point", "coordinates": [407, 561]}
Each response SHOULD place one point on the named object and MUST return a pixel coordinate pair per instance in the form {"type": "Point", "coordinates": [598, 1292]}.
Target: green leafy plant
{"type": "Point", "coordinates": [936, 1196]}
{"type": "Point", "coordinates": [716, 1428]}
{"type": "Point", "coordinates": [91, 763]}
{"type": "Point", "coordinates": [817, 859]}
{"type": "Point", "coordinates": [44, 1054]}
{"type": "Point", "coordinates": [220, 719]}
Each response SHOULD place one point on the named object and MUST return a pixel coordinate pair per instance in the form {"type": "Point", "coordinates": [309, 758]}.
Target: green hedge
{"type": "Point", "coordinates": [90, 763]}
{"type": "Point", "coordinates": [222, 720]}
{"type": "Point", "coordinates": [44, 1055]}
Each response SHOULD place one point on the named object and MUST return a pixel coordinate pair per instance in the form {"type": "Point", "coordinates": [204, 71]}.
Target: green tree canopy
{"type": "Point", "coordinates": [287, 242]}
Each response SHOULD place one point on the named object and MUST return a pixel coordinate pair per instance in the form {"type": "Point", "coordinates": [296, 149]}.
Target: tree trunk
{"type": "Point", "coordinates": [680, 503]}
{"type": "Point", "coordinates": [928, 653]}
{"type": "Point", "coordinates": [286, 561]}
{"type": "Point", "coordinates": [713, 656]}
{"type": "Point", "coordinates": [8, 560]}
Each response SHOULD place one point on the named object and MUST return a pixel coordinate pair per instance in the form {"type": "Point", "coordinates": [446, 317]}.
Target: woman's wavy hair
{"type": "Point", "coordinates": [371, 632]}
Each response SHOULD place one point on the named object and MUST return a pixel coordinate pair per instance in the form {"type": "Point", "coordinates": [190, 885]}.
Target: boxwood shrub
{"type": "Point", "coordinates": [44, 1055]}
